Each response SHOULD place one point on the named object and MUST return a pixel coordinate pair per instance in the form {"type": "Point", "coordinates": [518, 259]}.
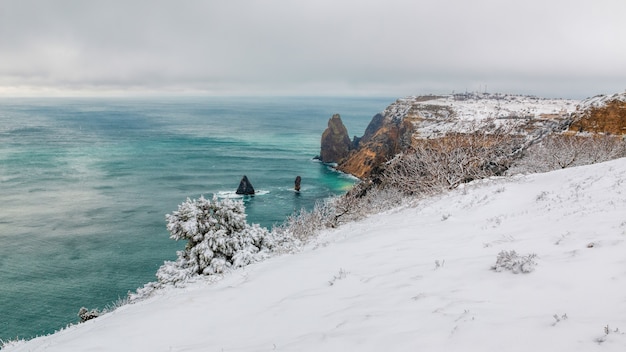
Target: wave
{"type": "Point", "coordinates": [234, 195]}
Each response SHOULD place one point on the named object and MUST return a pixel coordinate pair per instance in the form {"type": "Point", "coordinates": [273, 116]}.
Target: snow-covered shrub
{"type": "Point", "coordinates": [510, 260]}
{"type": "Point", "coordinates": [445, 162]}
{"type": "Point", "coordinates": [305, 224]}
{"type": "Point", "coordinates": [559, 151]}
{"type": "Point", "coordinates": [361, 201]}
{"type": "Point", "coordinates": [218, 238]}
{"type": "Point", "coordinates": [84, 314]}
{"type": "Point", "coordinates": [11, 343]}
{"type": "Point", "coordinates": [366, 199]}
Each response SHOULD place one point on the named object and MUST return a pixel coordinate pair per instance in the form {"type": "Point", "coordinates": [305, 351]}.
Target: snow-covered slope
{"type": "Point", "coordinates": [415, 279]}
{"type": "Point", "coordinates": [601, 100]}
{"type": "Point", "coordinates": [434, 115]}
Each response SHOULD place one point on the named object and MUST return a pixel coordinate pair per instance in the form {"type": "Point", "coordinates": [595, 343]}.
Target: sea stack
{"type": "Point", "coordinates": [297, 183]}
{"type": "Point", "coordinates": [245, 187]}
{"type": "Point", "coordinates": [336, 144]}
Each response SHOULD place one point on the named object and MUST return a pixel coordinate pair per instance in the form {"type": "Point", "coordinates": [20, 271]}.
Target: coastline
{"type": "Point", "coordinates": [390, 274]}
{"type": "Point", "coordinates": [113, 168]}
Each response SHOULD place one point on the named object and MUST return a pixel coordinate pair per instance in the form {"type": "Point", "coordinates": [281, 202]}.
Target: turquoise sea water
{"type": "Point", "coordinates": [85, 185]}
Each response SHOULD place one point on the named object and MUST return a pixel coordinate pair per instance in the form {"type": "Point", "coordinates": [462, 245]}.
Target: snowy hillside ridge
{"type": "Point", "coordinates": [436, 115]}
{"type": "Point", "coordinates": [601, 100]}
{"type": "Point", "coordinates": [477, 106]}
{"type": "Point", "coordinates": [416, 278]}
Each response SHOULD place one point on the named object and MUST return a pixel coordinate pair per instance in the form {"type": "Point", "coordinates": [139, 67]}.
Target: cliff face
{"type": "Point", "coordinates": [601, 114]}
{"type": "Point", "coordinates": [384, 137]}
{"type": "Point", "coordinates": [408, 121]}
{"type": "Point", "coordinates": [336, 143]}
{"type": "Point", "coordinates": [404, 123]}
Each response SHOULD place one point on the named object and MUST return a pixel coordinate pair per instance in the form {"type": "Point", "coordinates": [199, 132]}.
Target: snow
{"type": "Point", "coordinates": [458, 112]}
{"type": "Point", "coordinates": [602, 100]}
{"type": "Point", "coordinates": [418, 278]}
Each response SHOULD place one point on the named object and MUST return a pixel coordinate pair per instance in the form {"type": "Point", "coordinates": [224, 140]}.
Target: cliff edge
{"type": "Point", "coordinates": [410, 120]}
{"type": "Point", "coordinates": [601, 114]}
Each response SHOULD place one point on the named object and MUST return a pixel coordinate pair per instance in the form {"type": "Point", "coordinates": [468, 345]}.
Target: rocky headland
{"type": "Point", "coordinates": [601, 114]}
{"type": "Point", "coordinates": [407, 121]}
{"type": "Point", "coordinates": [336, 144]}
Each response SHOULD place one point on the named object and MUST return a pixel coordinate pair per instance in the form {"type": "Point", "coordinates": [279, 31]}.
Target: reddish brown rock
{"type": "Point", "coordinates": [603, 114]}
{"type": "Point", "coordinates": [383, 139]}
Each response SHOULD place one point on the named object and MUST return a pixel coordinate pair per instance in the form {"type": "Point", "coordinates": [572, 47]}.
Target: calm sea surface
{"type": "Point", "coordinates": [85, 185]}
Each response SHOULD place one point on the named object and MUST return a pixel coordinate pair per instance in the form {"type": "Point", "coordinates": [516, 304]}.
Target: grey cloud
{"type": "Point", "coordinates": [391, 47]}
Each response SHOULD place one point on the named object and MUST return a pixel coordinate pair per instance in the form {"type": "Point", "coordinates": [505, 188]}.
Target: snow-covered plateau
{"type": "Point", "coordinates": [420, 278]}
{"type": "Point", "coordinates": [434, 115]}
{"type": "Point", "coordinates": [472, 106]}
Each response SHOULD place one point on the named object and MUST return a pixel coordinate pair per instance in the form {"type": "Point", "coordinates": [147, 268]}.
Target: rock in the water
{"type": "Point", "coordinates": [336, 144]}
{"type": "Point", "coordinates": [245, 187]}
{"type": "Point", "coordinates": [297, 185]}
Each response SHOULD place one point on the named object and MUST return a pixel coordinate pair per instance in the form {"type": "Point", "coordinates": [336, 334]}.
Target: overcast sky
{"type": "Point", "coordinates": [553, 48]}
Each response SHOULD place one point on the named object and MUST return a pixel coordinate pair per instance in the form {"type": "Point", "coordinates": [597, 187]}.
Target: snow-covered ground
{"type": "Point", "coordinates": [435, 115]}
{"type": "Point", "coordinates": [413, 279]}
{"type": "Point", "coordinates": [601, 100]}
{"type": "Point", "coordinates": [480, 106]}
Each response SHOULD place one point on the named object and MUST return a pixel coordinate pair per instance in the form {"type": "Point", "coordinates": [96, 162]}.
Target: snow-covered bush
{"type": "Point", "coordinates": [361, 201]}
{"type": "Point", "coordinates": [85, 314]}
{"type": "Point", "coordinates": [366, 199]}
{"type": "Point", "coordinates": [446, 162]}
{"type": "Point", "coordinates": [559, 151]}
{"type": "Point", "coordinates": [11, 343]}
{"type": "Point", "coordinates": [510, 260]}
{"type": "Point", "coordinates": [218, 238]}
{"type": "Point", "coordinates": [305, 224]}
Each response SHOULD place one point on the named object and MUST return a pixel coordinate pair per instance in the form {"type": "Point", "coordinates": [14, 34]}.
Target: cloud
{"type": "Point", "coordinates": [394, 47]}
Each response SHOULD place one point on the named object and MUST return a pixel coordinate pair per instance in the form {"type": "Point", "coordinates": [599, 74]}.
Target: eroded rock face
{"type": "Point", "coordinates": [383, 139]}
{"type": "Point", "coordinates": [407, 121]}
{"type": "Point", "coordinates": [336, 144]}
{"type": "Point", "coordinates": [602, 114]}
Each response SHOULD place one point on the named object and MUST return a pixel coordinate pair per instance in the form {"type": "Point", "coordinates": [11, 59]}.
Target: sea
{"type": "Point", "coordinates": [85, 184]}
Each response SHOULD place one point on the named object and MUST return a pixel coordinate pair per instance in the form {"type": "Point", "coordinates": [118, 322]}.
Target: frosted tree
{"type": "Point", "coordinates": [218, 237]}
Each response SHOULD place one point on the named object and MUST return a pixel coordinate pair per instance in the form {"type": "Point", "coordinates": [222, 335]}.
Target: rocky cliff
{"type": "Point", "coordinates": [601, 114]}
{"type": "Point", "coordinates": [408, 120]}
{"type": "Point", "coordinates": [385, 136]}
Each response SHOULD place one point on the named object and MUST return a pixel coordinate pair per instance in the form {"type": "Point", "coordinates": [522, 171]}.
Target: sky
{"type": "Point", "coordinates": [552, 48]}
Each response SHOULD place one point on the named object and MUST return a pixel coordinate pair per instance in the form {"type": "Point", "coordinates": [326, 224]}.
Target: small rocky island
{"type": "Point", "coordinates": [245, 187]}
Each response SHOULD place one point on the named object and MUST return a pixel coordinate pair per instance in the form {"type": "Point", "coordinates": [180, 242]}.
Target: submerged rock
{"type": "Point", "coordinates": [245, 187]}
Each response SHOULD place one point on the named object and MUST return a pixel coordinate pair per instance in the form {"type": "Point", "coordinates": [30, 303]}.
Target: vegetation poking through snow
{"type": "Point", "coordinates": [85, 314]}
{"type": "Point", "coordinates": [444, 163]}
{"type": "Point", "coordinates": [511, 261]}
{"type": "Point", "coordinates": [559, 151]}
